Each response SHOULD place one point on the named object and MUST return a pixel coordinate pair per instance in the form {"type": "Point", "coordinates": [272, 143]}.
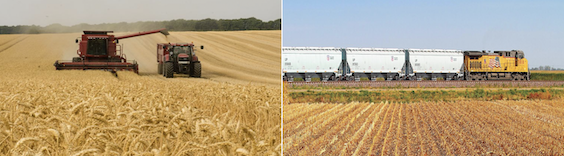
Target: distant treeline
{"type": "Point", "coordinates": [172, 25]}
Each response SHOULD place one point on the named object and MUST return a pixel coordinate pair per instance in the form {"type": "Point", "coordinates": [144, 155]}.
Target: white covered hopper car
{"type": "Point", "coordinates": [435, 63]}
{"type": "Point", "coordinates": [373, 63]}
{"type": "Point", "coordinates": [310, 62]}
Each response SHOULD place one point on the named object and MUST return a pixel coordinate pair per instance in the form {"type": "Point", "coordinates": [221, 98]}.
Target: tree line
{"type": "Point", "coordinates": [172, 25]}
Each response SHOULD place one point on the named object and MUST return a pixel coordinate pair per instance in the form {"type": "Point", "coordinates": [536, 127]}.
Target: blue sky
{"type": "Point", "coordinates": [536, 27]}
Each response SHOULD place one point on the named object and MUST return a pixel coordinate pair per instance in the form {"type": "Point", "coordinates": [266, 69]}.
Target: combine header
{"type": "Point", "coordinates": [100, 51]}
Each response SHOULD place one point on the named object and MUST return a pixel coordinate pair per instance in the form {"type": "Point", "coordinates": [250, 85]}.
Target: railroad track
{"type": "Point", "coordinates": [435, 84]}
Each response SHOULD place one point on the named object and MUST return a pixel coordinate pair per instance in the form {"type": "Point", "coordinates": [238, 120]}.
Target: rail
{"type": "Point", "coordinates": [432, 84]}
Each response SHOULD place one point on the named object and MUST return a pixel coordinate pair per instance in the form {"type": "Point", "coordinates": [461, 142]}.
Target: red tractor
{"type": "Point", "coordinates": [178, 58]}
{"type": "Point", "coordinates": [98, 50]}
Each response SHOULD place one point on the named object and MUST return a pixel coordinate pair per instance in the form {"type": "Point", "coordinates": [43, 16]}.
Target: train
{"type": "Point", "coordinates": [391, 64]}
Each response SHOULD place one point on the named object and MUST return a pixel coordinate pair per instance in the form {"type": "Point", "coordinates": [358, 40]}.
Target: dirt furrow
{"type": "Point", "coordinates": [345, 137]}
{"type": "Point", "coordinates": [297, 138]}
{"type": "Point", "coordinates": [366, 144]}
{"type": "Point", "coordinates": [367, 136]}
{"type": "Point", "coordinates": [318, 142]}
{"type": "Point", "coordinates": [432, 138]}
{"type": "Point", "coordinates": [306, 120]}
{"type": "Point", "coordinates": [379, 140]}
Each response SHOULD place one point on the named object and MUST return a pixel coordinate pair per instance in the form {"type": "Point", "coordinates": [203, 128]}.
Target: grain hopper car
{"type": "Point", "coordinates": [374, 63]}
{"type": "Point", "coordinates": [306, 63]}
{"type": "Point", "coordinates": [433, 64]}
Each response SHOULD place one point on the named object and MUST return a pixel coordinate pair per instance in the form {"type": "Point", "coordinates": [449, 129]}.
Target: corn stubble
{"type": "Point", "coordinates": [528, 127]}
{"type": "Point", "coordinates": [86, 113]}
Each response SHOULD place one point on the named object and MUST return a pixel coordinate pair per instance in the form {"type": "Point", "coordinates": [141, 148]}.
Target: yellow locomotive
{"type": "Point", "coordinates": [499, 65]}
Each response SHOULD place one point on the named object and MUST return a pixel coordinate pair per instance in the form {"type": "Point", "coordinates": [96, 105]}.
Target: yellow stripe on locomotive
{"type": "Point", "coordinates": [498, 65]}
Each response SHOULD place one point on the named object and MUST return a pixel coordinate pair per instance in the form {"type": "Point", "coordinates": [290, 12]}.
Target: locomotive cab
{"type": "Point", "coordinates": [183, 55]}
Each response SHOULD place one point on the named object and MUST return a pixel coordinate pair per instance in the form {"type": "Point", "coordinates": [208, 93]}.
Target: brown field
{"type": "Point", "coordinates": [442, 128]}
{"type": "Point", "coordinates": [548, 71]}
{"type": "Point", "coordinates": [234, 109]}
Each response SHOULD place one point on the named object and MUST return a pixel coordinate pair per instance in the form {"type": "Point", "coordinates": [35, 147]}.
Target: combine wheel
{"type": "Point", "coordinates": [160, 68]}
{"type": "Point", "coordinates": [169, 71]}
{"type": "Point", "coordinates": [196, 70]}
{"type": "Point", "coordinates": [76, 59]}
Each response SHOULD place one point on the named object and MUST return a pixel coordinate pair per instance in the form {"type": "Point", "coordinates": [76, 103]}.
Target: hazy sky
{"type": "Point", "coordinates": [536, 27]}
{"type": "Point", "coordinates": [72, 12]}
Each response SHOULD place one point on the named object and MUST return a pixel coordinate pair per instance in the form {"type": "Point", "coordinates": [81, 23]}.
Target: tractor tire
{"type": "Point", "coordinates": [160, 68]}
{"type": "Point", "coordinates": [196, 70]}
{"type": "Point", "coordinates": [169, 70]}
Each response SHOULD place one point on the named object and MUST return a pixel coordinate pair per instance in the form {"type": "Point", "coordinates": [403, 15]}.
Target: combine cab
{"type": "Point", "coordinates": [100, 51]}
{"type": "Point", "coordinates": [178, 58]}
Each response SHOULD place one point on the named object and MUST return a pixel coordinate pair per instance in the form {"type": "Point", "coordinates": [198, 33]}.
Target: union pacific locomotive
{"type": "Point", "coordinates": [499, 65]}
{"type": "Point", "coordinates": [348, 64]}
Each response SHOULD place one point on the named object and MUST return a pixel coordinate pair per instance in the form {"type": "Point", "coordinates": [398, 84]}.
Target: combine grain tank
{"type": "Point", "coordinates": [436, 63]}
{"type": "Point", "coordinates": [101, 51]}
{"type": "Point", "coordinates": [374, 63]}
{"type": "Point", "coordinates": [311, 62]}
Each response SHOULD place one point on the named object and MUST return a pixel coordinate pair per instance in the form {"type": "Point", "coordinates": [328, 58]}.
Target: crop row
{"type": "Point", "coordinates": [441, 128]}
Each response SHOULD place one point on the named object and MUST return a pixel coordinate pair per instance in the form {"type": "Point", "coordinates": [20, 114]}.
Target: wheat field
{"type": "Point", "coordinates": [534, 127]}
{"type": "Point", "coordinates": [49, 112]}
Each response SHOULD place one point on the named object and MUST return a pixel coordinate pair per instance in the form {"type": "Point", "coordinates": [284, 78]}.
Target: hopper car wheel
{"type": "Point", "coordinates": [160, 68]}
{"type": "Point", "coordinates": [196, 70]}
{"type": "Point", "coordinates": [169, 71]}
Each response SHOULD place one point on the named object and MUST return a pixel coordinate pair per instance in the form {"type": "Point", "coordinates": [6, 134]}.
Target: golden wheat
{"type": "Point", "coordinates": [48, 112]}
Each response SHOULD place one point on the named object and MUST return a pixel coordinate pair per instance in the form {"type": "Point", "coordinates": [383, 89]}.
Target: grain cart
{"type": "Point", "coordinates": [178, 58]}
{"type": "Point", "coordinates": [98, 50]}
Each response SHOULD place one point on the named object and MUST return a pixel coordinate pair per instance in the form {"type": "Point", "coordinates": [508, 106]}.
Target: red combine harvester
{"type": "Point", "coordinates": [100, 51]}
{"type": "Point", "coordinates": [178, 58]}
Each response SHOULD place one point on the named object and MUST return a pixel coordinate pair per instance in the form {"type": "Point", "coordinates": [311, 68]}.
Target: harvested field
{"type": "Point", "coordinates": [534, 127]}
{"type": "Point", "coordinates": [240, 56]}
{"type": "Point", "coordinates": [49, 112]}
